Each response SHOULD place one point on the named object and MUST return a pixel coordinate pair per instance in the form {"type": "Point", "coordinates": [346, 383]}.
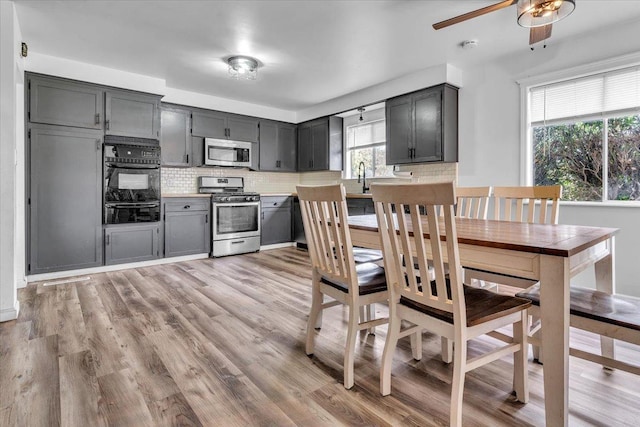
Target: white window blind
{"type": "Point", "coordinates": [587, 96]}
{"type": "Point", "coordinates": [366, 134]}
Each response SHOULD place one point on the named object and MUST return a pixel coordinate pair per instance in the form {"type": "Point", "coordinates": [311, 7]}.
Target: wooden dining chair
{"type": "Point", "coordinates": [536, 204]}
{"type": "Point", "coordinates": [334, 271]}
{"type": "Point", "coordinates": [444, 306]}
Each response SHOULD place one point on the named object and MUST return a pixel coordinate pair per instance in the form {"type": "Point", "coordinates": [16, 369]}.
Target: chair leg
{"type": "Point", "coordinates": [416, 345]}
{"type": "Point", "coordinates": [370, 310]}
{"type": "Point", "coordinates": [608, 349]}
{"type": "Point", "coordinates": [314, 315]}
{"type": "Point", "coordinates": [350, 347]}
{"type": "Point", "coordinates": [537, 350]}
{"type": "Point", "coordinates": [387, 354]}
{"type": "Point", "coordinates": [520, 359]}
{"type": "Point", "coordinates": [457, 384]}
{"type": "Point", "coordinates": [446, 349]}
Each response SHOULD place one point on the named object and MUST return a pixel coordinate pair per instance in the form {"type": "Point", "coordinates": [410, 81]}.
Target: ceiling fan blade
{"type": "Point", "coordinates": [537, 34]}
{"type": "Point", "coordinates": [474, 14]}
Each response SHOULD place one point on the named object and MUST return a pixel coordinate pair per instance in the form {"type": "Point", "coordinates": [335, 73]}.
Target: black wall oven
{"type": "Point", "coordinates": [131, 182]}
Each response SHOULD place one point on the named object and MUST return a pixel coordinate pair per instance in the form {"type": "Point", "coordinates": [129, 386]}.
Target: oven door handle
{"type": "Point", "coordinates": [132, 166]}
{"type": "Point", "coordinates": [132, 205]}
{"type": "Point", "coordinates": [231, 204]}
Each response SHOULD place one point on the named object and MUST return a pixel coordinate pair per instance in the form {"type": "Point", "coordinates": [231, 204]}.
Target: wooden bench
{"type": "Point", "coordinates": [613, 316]}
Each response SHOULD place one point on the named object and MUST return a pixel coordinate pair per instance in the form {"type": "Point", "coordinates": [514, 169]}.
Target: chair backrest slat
{"type": "Point", "coordinates": [547, 210]}
{"type": "Point", "coordinates": [407, 253]}
{"type": "Point", "coordinates": [324, 214]}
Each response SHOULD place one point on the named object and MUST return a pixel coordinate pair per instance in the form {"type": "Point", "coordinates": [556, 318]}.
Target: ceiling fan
{"type": "Point", "coordinates": [538, 15]}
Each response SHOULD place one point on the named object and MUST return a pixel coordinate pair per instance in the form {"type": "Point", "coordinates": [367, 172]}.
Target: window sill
{"type": "Point", "coordinates": [608, 204]}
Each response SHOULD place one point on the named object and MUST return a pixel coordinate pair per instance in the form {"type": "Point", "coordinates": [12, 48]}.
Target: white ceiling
{"type": "Point", "coordinates": [311, 51]}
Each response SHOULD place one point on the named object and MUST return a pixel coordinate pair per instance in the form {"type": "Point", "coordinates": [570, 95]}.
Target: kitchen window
{"type": "Point", "coordinates": [365, 141]}
{"type": "Point", "coordinates": [584, 133]}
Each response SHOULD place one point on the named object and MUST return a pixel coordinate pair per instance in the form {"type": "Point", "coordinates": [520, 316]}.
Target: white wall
{"type": "Point", "coordinates": [490, 146]}
{"type": "Point", "coordinates": [10, 78]}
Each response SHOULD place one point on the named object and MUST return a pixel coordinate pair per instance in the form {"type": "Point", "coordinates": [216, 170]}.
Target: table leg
{"type": "Point", "coordinates": [554, 307]}
{"type": "Point", "coordinates": [606, 282]}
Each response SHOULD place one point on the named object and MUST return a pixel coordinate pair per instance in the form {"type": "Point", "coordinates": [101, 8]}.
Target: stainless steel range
{"type": "Point", "coordinates": [235, 228]}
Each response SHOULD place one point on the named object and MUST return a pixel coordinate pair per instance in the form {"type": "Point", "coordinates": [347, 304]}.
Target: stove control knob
{"type": "Point", "coordinates": [225, 199]}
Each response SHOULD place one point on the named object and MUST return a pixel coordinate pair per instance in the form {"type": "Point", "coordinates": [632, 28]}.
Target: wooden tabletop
{"type": "Point", "coordinates": [558, 240]}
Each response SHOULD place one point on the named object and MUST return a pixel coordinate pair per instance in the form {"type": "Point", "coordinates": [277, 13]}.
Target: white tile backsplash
{"type": "Point", "coordinates": [185, 180]}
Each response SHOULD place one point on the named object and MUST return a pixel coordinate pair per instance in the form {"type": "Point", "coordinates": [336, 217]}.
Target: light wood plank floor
{"type": "Point", "coordinates": [220, 342]}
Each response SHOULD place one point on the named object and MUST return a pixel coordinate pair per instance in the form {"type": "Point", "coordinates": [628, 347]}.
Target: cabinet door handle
{"type": "Point", "coordinates": [107, 124]}
{"type": "Point", "coordinates": [206, 218]}
{"type": "Point", "coordinates": [97, 119]}
{"type": "Point", "coordinates": [187, 158]}
{"type": "Point", "coordinates": [237, 242]}
{"type": "Point", "coordinates": [187, 207]}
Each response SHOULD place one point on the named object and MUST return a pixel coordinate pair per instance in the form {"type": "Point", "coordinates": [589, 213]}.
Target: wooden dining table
{"type": "Point", "coordinates": [550, 254]}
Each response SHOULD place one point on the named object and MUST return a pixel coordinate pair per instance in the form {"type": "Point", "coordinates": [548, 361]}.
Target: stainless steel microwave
{"type": "Point", "coordinates": [221, 152]}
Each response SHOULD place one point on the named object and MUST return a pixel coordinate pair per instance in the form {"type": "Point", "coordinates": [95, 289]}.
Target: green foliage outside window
{"type": "Point", "coordinates": [572, 155]}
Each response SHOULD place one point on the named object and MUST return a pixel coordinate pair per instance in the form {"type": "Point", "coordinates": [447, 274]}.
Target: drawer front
{"type": "Point", "coordinates": [276, 202]}
{"type": "Point", "coordinates": [187, 204]}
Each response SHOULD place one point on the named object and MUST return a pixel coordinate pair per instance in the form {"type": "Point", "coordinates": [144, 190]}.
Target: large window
{"type": "Point", "coordinates": [585, 135]}
{"type": "Point", "coordinates": [365, 142]}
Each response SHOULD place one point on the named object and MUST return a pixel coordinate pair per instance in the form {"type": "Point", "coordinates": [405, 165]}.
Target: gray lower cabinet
{"type": "Point", "coordinates": [276, 220]}
{"type": "Point", "coordinates": [64, 202]}
{"type": "Point", "coordinates": [320, 144]}
{"type": "Point", "coordinates": [187, 229]}
{"type": "Point", "coordinates": [64, 103]}
{"type": "Point", "coordinates": [132, 114]}
{"type": "Point", "coordinates": [360, 206]}
{"type": "Point", "coordinates": [124, 243]}
{"type": "Point", "coordinates": [175, 136]}
{"type": "Point", "coordinates": [423, 126]}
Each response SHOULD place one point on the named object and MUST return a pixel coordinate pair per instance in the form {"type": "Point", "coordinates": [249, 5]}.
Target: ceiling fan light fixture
{"type": "Point", "coordinates": [243, 67]}
{"type": "Point", "coordinates": [537, 13]}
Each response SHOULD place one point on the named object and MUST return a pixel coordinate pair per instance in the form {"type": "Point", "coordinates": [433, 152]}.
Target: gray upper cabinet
{"type": "Point", "coordinates": [209, 124]}
{"type": "Point", "coordinates": [423, 126]}
{"type": "Point", "coordinates": [186, 225]}
{"type": "Point", "coordinates": [132, 114]}
{"type": "Point", "coordinates": [131, 243]}
{"type": "Point", "coordinates": [320, 144]}
{"type": "Point", "coordinates": [175, 136]}
{"type": "Point", "coordinates": [216, 124]}
{"type": "Point", "coordinates": [65, 198]}
{"type": "Point", "coordinates": [63, 103]}
{"type": "Point", "coordinates": [277, 146]}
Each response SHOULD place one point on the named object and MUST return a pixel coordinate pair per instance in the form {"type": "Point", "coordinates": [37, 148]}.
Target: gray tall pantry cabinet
{"type": "Point", "coordinates": [65, 198]}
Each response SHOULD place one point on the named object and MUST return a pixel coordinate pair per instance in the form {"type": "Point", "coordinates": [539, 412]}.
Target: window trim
{"type": "Point", "coordinates": [526, 83]}
{"type": "Point", "coordinates": [379, 114]}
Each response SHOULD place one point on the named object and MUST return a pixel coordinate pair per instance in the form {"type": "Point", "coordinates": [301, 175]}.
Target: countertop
{"type": "Point", "coordinates": [349, 195]}
{"type": "Point", "coordinates": [185, 195]}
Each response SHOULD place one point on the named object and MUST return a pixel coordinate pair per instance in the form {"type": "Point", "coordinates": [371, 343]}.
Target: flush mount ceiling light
{"type": "Point", "coordinates": [536, 13]}
{"type": "Point", "coordinates": [243, 67]}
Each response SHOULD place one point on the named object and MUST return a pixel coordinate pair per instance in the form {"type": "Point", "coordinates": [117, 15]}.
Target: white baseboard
{"type": "Point", "coordinates": [277, 246]}
{"type": "Point", "coordinates": [106, 268]}
{"type": "Point", "coordinates": [7, 314]}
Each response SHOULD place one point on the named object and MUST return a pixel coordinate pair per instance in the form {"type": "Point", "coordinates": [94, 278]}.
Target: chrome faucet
{"type": "Point", "coordinates": [364, 177]}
